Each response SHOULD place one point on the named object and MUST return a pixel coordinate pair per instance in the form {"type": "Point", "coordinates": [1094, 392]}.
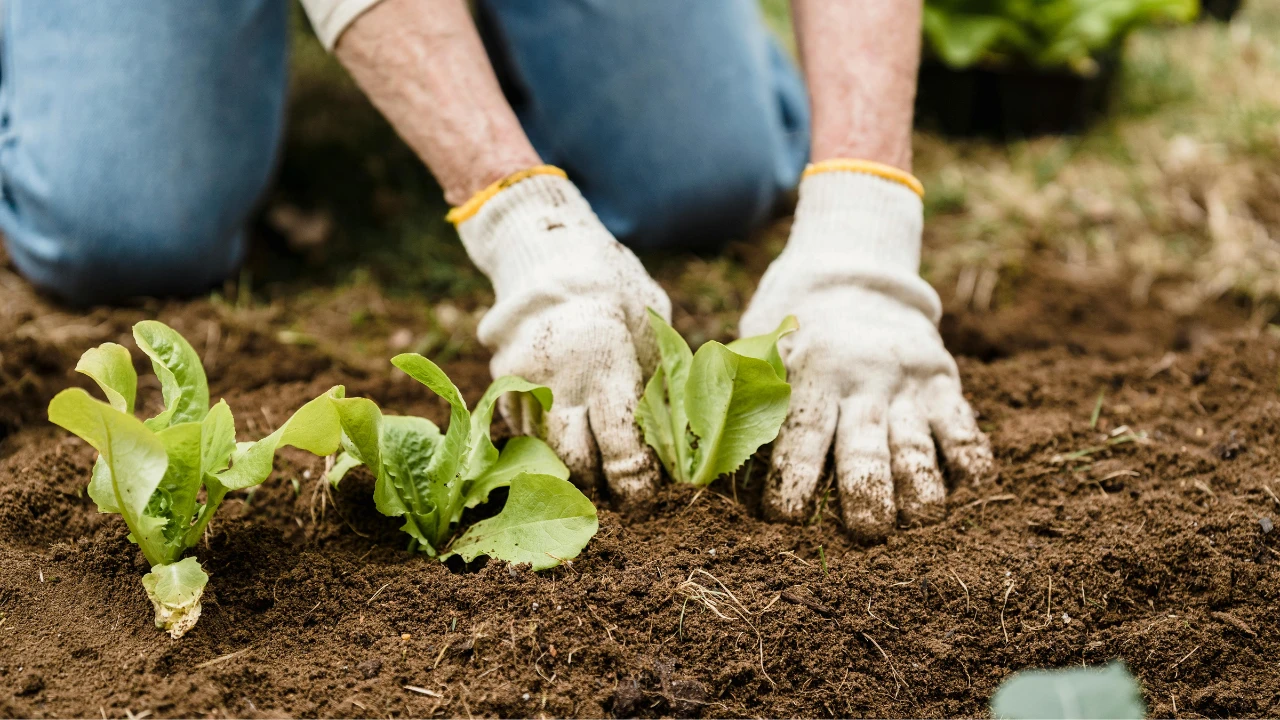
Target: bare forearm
{"type": "Point", "coordinates": [422, 64]}
{"type": "Point", "coordinates": [860, 60]}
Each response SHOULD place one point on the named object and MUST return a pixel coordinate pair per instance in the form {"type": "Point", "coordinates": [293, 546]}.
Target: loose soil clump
{"type": "Point", "coordinates": [1144, 531]}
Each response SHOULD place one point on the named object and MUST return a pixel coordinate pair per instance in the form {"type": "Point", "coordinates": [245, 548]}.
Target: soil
{"type": "Point", "coordinates": [1088, 547]}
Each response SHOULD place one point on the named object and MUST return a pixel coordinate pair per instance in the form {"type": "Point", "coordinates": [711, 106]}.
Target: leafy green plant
{"type": "Point", "coordinates": [706, 413]}
{"type": "Point", "coordinates": [1043, 33]}
{"type": "Point", "coordinates": [429, 478]}
{"type": "Point", "coordinates": [1109, 693]}
{"type": "Point", "coordinates": [151, 472]}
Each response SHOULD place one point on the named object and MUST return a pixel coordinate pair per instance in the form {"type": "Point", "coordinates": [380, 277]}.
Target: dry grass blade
{"type": "Point", "coordinates": [1004, 605]}
{"type": "Point", "coordinates": [221, 659]}
{"type": "Point", "coordinates": [966, 589]}
{"type": "Point", "coordinates": [993, 499]}
{"type": "Point", "coordinates": [423, 691]}
{"type": "Point", "coordinates": [898, 680]}
{"type": "Point", "coordinates": [720, 603]}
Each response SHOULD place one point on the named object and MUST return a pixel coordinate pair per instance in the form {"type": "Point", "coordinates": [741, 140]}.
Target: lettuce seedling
{"type": "Point", "coordinates": [151, 472]}
{"type": "Point", "coordinates": [429, 478]}
{"type": "Point", "coordinates": [1109, 693]}
{"type": "Point", "coordinates": [706, 413]}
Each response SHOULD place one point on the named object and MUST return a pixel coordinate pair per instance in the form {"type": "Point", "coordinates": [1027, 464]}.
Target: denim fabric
{"type": "Point", "coordinates": [681, 122]}
{"type": "Point", "coordinates": [136, 136]}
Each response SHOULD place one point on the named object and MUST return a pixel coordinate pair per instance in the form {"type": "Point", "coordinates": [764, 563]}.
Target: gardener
{"type": "Point", "coordinates": [137, 135]}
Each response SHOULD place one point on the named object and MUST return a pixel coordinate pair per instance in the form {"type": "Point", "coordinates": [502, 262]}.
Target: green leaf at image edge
{"type": "Point", "coordinates": [545, 520]}
{"type": "Point", "coordinates": [1109, 693]}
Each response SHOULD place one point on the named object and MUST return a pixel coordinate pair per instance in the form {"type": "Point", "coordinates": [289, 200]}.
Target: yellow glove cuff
{"type": "Point", "coordinates": [468, 209]}
{"type": "Point", "coordinates": [867, 167]}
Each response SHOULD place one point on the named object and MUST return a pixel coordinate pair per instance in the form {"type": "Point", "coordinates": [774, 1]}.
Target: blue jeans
{"type": "Point", "coordinates": [136, 136]}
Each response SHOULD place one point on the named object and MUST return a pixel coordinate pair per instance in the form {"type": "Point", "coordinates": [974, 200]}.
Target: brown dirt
{"type": "Point", "coordinates": [1155, 552]}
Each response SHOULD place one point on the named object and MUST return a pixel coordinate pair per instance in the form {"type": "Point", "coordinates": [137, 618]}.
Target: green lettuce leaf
{"type": "Point", "coordinates": [545, 520]}
{"type": "Point", "coordinates": [316, 427]}
{"type": "Point", "coordinates": [765, 347]}
{"type": "Point", "coordinates": [111, 367]}
{"type": "Point", "coordinates": [735, 405]}
{"type": "Point", "coordinates": [133, 463]}
{"type": "Point", "coordinates": [174, 500]}
{"type": "Point", "coordinates": [429, 478]}
{"type": "Point", "coordinates": [175, 590]}
{"type": "Point", "coordinates": [520, 455]}
{"type": "Point", "coordinates": [447, 462]}
{"type": "Point", "coordinates": [653, 414]}
{"type": "Point", "coordinates": [217, 439]}
{"type": "Point", "coordinates": [481, 453]}
{"type": "Point", "coordinates": [1110, 693]}
{"type": "Point", "coordinates": [361, 432]}
{"type": "Point", "coordinates": [343, 464]}
{"type": "Point", "coordinates": [405, 486]}
{"type": "Point", "coordinates": [704, 414]}
{"type": "Point", "coordinates": [661, 410]}
{"type": "Point", "coordinates": [182, 379]}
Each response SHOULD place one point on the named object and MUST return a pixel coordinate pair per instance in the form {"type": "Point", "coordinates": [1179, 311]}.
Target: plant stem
{"type": "Point", "coordinates": [216, 493]}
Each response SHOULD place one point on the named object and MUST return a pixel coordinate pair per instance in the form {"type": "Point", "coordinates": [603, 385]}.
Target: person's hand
{"type": "Point", "coordinates": [570, 314]}
{"type": "Point", "coordinates": [868, 370]}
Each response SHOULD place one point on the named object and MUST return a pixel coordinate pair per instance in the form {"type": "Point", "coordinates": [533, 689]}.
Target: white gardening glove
{"type": "Point", "coordinates": [867, 366]}
{"type": "Point", "coordinates": [569, 314]}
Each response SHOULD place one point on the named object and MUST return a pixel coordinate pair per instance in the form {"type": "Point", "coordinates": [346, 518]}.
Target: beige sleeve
{"type": "Point", "coordinates": [331, 17]}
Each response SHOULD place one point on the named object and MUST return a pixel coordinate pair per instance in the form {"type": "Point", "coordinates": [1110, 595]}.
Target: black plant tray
{"type": "Point", "coordinates": [1011, 102]}
{"type": "Point", "coordinates": [1222, 10]}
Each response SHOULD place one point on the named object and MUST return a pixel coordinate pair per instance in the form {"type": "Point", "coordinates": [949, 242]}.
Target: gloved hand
{"type": "Point", "coordinates": [569, 314]}
{"type": "Point", "coordinates": [867, 366]}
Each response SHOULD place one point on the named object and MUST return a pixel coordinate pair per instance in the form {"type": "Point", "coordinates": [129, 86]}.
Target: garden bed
{"type": "Point", "coordinates": [1157, 551]}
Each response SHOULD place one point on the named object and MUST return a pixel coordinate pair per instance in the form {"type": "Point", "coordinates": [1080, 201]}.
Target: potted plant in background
{"type": "Point", "coordinates": [1221, 10]}
{"type": "Point", "coordinates": [1008, 68]}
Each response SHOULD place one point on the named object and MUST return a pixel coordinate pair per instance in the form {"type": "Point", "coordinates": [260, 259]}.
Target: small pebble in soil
{"type": "Point", "coordinates": [524, 696]}
{"type": "Point", "coordinates": [1267, 525]}
{"type": "Point", "coordinates": [370, 668]}
{"type": "Point", "coordinates": [405, 636]}
{"type": "Point", "coordinates": [535, 606]}
{"type": "Point", "coordinates": [30, 684]}
{"type": "Point", "coordinates": [711, 552]}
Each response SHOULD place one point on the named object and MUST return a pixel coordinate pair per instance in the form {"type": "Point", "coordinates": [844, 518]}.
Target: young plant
{"type": "Point", "coordinates": [1109, 693]}
{"type": "Point", "coordinates": [429, 478]}
{"type": "Point", "coordinates": [706, 413]}
{"type": "Point", "coordinates": [1046, 33]}
{"type": "Point", "coordinates": [151, 472]}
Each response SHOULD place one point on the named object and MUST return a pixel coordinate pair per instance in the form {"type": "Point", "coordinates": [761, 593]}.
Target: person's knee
{"type": "Point", "coordinates": [681, 122]}
{"type": "Point", "coordinates": [136, 149]}
{"type": "Point", "coordinates": [723, 182]}
{"type": "Point", "coordinates": [90, 245]}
